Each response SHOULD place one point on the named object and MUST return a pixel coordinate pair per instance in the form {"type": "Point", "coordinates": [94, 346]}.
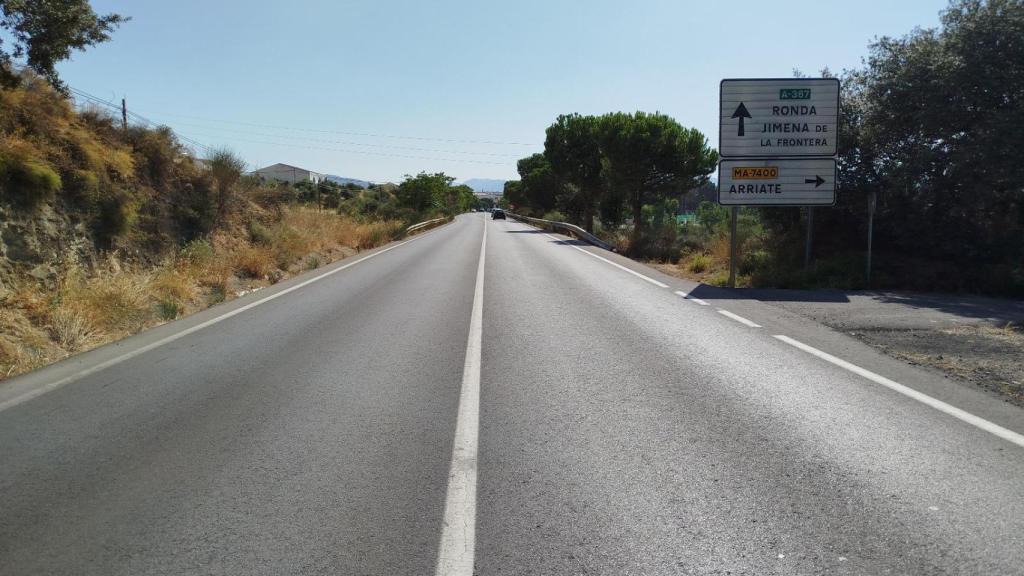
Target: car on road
{"type": "Point", "coordinates": [498, 214]}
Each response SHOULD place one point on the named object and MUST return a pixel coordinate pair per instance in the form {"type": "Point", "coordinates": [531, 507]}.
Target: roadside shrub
{"type": "Point", "coordinates": [25, 179]}
{"type": "Point", "coordinates": [699, 263]}
{"type": "Point", "coordinates": [555, 216]}
{"type": "Point", "coordinates": [168, 309]}
{"type": "Point", "coordinates": [84, 185]}
{"type": "Point", "coordinates": [194, 207]}
{"type": "Point", "coordinates": [259, 234]}
{"type": "Point", "coordinates": [218, 293]}
{"type": "Point", "coordinates": [155, 154]}
{"type": "Point", "coordinates": [115, 216]}
{"type": "Point", "coordinates": [115, 302]}
{"type": "Point", "coordinates": [753, 261]}
{"type": "Point", "coordinates": [171, 285]}
{"type": "Point", "coordinates": [197, 253]}
{"type": "Point", "coordinates": [71, 329]}
{"type": "Point", "coordinates": [378, 233]}
{"type": "Point", "coordinates": [255, 261]}
{"type": "Point", "coordinates": [288, 245]}
{"type": "Point", "coordinates": [720, 279]}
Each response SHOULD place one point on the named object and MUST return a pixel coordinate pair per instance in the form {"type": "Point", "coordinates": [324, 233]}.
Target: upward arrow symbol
{"type": "Point", "coordinates": [741, 113]}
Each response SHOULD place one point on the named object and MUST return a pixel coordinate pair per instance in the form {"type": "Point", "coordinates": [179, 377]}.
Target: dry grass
{"type": "Point", "coordinates": [72, 330]}
{"type": "Point", "coordinates": [303, 229]}
{"type": "Point", "coordinates": [23, 345]}
{"type": "Point", "coordinates": [255, 261]}
{"type": "Point", "coordinates": [115, 300]}
{"type": "Point", "coordinates": [90, 307]}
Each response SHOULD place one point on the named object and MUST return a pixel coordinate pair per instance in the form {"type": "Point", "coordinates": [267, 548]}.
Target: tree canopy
{"type": "Point", "coordinates": [611, 165]}
{"type": "Point", "coordinates": [46, 32]}
{"type": "Point", "coordinates": [931, 125]}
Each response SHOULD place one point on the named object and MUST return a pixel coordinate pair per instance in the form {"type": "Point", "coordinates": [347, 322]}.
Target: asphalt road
{"type": "Point", "coordinates": [316, 427]}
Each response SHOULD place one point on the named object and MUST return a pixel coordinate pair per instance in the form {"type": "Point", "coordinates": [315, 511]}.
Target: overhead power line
{"type": "Point", "coordinates": [138, 118]}
{"type": "Point", "coordinates": [346, 132]}
{"type": "Point", "coordinates": [349, 142]}
{"type": "Point", "coordinates": [365, 152]}
{"type": "Point", "coordinates": [150, 123]}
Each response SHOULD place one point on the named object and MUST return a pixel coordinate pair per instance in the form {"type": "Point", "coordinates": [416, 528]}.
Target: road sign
{"type": "Point", "coordinates": [794, 117]}
{"type": "Point", "coordinates": [777, 182]}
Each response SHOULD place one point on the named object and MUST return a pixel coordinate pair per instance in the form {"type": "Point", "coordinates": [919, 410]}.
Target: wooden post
{"type": "Point", "coordinates": [124, 114]}
{"type": "Point", "coordinates": [732, 247]}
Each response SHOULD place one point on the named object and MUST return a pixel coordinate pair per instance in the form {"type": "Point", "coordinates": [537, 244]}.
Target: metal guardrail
{"type": "Point", "coordinates": [570, 229]}
{"type": "Point", "coordinates": [424, 225]}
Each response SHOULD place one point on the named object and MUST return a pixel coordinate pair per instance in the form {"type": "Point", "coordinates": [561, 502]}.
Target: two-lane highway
{"type": "Point", "coordinates": [622, 429]}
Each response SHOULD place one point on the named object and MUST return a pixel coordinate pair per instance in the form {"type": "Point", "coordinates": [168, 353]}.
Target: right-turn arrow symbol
{"type": "Point", "coordinates": [817, 181]}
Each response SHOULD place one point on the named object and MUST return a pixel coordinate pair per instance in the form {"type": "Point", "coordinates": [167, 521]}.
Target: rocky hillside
{"type": "Point", "coordinates": [106, 231]}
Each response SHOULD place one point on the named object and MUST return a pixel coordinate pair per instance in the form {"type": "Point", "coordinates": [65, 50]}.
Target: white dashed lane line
{"type": "Point", "coordinates": [691, 298]}
{"type": "Point", "coordinates": [939, 405]}
{"type": "Point", "coordinates": [738, 318]}
{"type": "Point", "coordinates": [957, 413]}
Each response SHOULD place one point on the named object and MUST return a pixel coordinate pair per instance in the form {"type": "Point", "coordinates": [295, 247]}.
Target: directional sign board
{"type": "Point", "coordinates": [777, 182]}
{"type": "Point", "coordinates": [760, 118]}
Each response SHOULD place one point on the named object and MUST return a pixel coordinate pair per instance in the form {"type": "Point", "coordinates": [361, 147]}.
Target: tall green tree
{"type": "Point", "coordinates": [573, 150]}
{"type": "Point", "coordinates": [46, 32]}
{"type": "Point", "coordinates": [462, 199]}
{"type": "Point", "coordinates": [513, 194]}
{"type": "Point", "coordinates": [648, 157]}
{"type": "Point", "coordinates": [931, 125]}
{"type": "Point", "coordinates": [538, 184]}
{"type": "Point", "coordinates": [425, 192]}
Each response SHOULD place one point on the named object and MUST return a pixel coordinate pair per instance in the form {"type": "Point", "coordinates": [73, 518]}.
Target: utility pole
{"type": "Point", "coordinates": [732, 247]}
{"type": "Point", "coordinates": [124, 115]}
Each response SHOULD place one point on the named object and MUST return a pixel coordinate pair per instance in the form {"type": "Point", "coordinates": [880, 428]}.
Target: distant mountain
{"type": "Point", "coordinates": [343, 180]}
{"type": "Point", "coordinates": [485, 185]}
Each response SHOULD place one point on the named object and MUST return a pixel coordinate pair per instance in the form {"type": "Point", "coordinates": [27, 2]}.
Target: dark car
{"type": "Point", "coordinates": [498, 215]}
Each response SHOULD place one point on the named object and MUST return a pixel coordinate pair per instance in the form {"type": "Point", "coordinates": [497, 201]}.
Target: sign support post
{"type": "Point", "coordinates": [777, 143]}
{"type": "Point", "coordinates": [732, 246]}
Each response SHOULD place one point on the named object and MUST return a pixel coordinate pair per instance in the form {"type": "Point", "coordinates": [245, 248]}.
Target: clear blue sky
{"type": "Point", "coordinates": [459, 71]}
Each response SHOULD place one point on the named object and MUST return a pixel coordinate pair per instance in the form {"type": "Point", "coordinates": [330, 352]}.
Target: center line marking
{"type": "Point", "coordinates": [738, 318]}
{"type": "Point", "coordinates": [939, 405]}
{"type": "Point", "coordinates": [456, 552]}
{"type": "Point", "coordinates": [691, 298]}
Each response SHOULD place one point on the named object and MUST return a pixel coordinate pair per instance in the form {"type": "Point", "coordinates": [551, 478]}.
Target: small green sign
{"type": "Point", "coordinates": [795, 94]}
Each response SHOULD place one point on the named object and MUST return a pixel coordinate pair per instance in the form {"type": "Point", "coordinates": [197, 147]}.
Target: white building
{"type": "Point", "coordinates": [288, 173]}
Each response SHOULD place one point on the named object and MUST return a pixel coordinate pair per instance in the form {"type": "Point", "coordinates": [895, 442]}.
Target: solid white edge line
{"type": "Point", "coordinates": [738, 318]}
{"type": "Point", "coordinates": [691, 298]}
{"type": "Point", "coordinates": [619, 266]}
{"type": "Point", "coordinates": [456, 551]}
{"type": "Point", "coordinates": [178, 335]}
{"type": "Point", "coordinates": [939, 405]}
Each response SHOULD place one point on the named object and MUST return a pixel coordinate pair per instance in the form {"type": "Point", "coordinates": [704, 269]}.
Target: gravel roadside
{"type": "Point", "coordinates": [976, 340]}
